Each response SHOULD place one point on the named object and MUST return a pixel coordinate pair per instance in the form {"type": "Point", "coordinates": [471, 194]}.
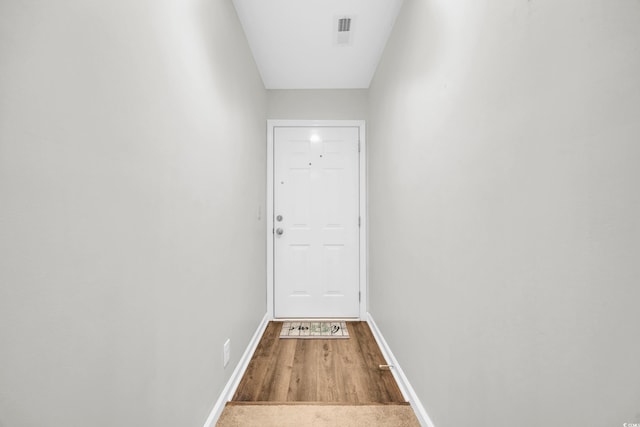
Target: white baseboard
{"type": "Point", "coordinates": [405, 387]}
{"type": "Point", "coordinates": [236, 376]}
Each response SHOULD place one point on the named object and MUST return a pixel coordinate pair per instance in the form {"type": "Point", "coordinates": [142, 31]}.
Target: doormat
{"type": "Point", "coordinates": [323, 330]}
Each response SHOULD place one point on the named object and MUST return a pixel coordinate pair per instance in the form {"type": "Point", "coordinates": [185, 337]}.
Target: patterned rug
{"type": "Point", "coordinates": [321, 330]}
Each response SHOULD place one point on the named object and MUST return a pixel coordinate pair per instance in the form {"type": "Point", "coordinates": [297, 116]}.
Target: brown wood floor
{"type": "Point", "coordinates": [318, 370]}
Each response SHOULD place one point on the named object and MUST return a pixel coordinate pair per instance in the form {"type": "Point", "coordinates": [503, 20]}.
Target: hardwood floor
{"type": "Point", "coordinates": [318, 370]}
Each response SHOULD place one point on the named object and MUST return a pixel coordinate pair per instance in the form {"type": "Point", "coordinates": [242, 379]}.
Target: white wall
{"type": "Point", "coordinates": [132, 164]}
{"type": "Point", "coordinates": [505, 209]}
{"type": "Point", "coordinates": [317, 104]}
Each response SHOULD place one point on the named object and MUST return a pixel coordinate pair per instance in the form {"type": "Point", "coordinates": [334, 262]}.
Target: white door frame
{"type": "Point", "coordinates": [271, 124]}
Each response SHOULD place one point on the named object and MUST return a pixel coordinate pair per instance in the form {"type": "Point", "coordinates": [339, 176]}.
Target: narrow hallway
{"type": "Point", "coordinates": [500, 217]}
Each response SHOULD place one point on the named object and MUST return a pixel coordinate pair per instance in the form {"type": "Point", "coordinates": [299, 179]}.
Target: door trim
{"type": "Point", "coordinates": [363, 248]}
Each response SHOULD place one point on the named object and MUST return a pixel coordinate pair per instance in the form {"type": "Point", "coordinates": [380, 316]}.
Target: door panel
{"type": "Point", "coordinates": [316, 192]}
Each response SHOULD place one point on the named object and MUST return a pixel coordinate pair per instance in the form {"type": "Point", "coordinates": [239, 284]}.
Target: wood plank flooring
{"type": "Point", "coordinates": [318, 370]}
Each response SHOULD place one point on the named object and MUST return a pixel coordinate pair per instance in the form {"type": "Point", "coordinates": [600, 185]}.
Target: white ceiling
{"type": "Point", "coordinates": [294, 42]}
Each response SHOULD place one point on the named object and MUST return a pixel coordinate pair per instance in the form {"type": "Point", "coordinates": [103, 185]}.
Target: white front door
{"type": "Point", "coordinates": [316, 222]}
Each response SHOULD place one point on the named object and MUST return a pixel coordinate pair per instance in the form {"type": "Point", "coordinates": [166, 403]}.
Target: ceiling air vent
{"type": "Point", "coordinates": [344, 24]}
{"type": "Point", "coordinates": [343, 31]}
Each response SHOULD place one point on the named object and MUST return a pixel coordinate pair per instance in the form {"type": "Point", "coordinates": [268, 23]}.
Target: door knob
{"type": "Point", "coordinates": [279, 218]}
{"type": "Point", "coordinates": [279, 231]}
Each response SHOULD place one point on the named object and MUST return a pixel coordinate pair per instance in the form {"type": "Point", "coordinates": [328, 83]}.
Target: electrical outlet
{"type": "Point", "coordinates": [227, 352]}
